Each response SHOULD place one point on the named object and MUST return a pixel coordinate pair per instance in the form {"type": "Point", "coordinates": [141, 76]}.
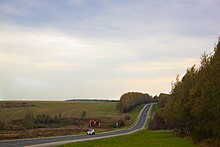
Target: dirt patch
{"type": "Point", "coordinates": [41, 132]}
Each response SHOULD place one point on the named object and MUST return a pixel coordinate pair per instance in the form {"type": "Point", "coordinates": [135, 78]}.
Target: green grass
{"type": "Point", "coordinates": [153, 110]}
{"type": "Point", "coordinates": [141, 138]}
{"type": "Point", "coordinates": [134, 113]}
{"type": "Point", "coordinates": [68, 109]}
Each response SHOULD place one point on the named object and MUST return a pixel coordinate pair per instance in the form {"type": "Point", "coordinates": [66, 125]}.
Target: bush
{"type": "Point", "coordinates": [46, 119]}
{"type": "Point", "coordinates": [157, 122]}
{"type": "Point", "coordinates": [2, 125]}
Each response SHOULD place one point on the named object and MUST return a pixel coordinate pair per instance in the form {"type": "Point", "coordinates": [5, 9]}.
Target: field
{"type": "Point", "coordinates": [66, 108]}
{"type": "Point", "coordinates": [139, 139]}
{"type": "Point", "coordinates": [70, 122]}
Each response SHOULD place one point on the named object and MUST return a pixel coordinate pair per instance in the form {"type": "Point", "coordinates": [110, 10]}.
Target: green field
{"type": "Point", "coordinates": [67, 108]}
{"type": "Point", "coordinates": [142, 138]}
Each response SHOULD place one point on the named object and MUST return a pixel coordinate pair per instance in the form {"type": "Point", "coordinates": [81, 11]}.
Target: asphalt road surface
{"type": "Point", "coordinates": [52, 141]}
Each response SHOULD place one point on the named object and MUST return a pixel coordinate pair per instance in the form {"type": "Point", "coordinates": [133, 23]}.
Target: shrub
{"type": "Point", "coordinates": [2, 125]}
{"type": "Point", "coordinates": [157, 122]}
{"type": "Point", "coordinates": [45, 119]}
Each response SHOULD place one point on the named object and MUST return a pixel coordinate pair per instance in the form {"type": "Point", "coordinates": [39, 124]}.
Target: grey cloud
{"type": "Point", "coordinates": [61, 49]}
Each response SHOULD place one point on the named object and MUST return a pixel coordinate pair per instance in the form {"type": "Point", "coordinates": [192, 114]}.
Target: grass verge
{"type": "Point", "coordinates": [153, 110]}
{"type": "Point", "coordinates": [134, 113]}
{"type": "Point", "coordinates": [141, 138]}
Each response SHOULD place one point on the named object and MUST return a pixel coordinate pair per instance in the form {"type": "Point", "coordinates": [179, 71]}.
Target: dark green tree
{"type": "Point", "coordinates": [194, 106]}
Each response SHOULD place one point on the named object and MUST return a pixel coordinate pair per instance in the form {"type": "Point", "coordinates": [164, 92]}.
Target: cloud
{"type": "Point", "coordinates": [12, 10]}
{"type": "Point", "coordinates": [43, 45]}
{"type": "Point", "coordinates": [100, 48]}
{"type": "Point", "coordinates": [41, 61]}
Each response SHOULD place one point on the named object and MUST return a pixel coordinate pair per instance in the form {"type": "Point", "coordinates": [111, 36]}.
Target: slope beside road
{"type": "Point", "coordinates": [44, 142]}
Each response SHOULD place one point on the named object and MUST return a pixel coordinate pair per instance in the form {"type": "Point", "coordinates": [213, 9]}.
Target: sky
{"type": "Point", "coordinates": [61, 49]}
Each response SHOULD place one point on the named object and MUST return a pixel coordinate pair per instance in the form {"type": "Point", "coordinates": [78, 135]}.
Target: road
{"type": "Point", "coordinates": [52, 141]}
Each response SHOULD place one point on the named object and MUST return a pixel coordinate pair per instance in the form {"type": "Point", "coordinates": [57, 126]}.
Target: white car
{"type": "Point", "coordinates": [91, 132]}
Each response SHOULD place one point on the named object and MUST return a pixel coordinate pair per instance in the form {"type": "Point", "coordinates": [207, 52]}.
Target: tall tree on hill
{"type": "Point", "coordinates": [194, 106]}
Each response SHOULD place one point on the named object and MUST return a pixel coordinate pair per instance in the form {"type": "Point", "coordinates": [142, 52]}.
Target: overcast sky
{"type": "Point", "coordinates": [58, 49]}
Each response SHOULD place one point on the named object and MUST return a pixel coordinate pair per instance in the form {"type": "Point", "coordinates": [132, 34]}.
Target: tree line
{"type": "Point", "coordinates": [193, 107]}
{"type": "Point", "coordinates": [131, 99]}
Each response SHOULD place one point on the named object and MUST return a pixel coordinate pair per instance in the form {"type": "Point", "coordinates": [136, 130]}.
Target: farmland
{"type": "Point", "coordinates": [53, 118]}
{"type": "Point", "coordinates": [66, 108]}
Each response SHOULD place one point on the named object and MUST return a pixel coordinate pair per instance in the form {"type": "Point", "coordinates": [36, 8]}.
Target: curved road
{"type": "Point", "coordinates": [52, 141]}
